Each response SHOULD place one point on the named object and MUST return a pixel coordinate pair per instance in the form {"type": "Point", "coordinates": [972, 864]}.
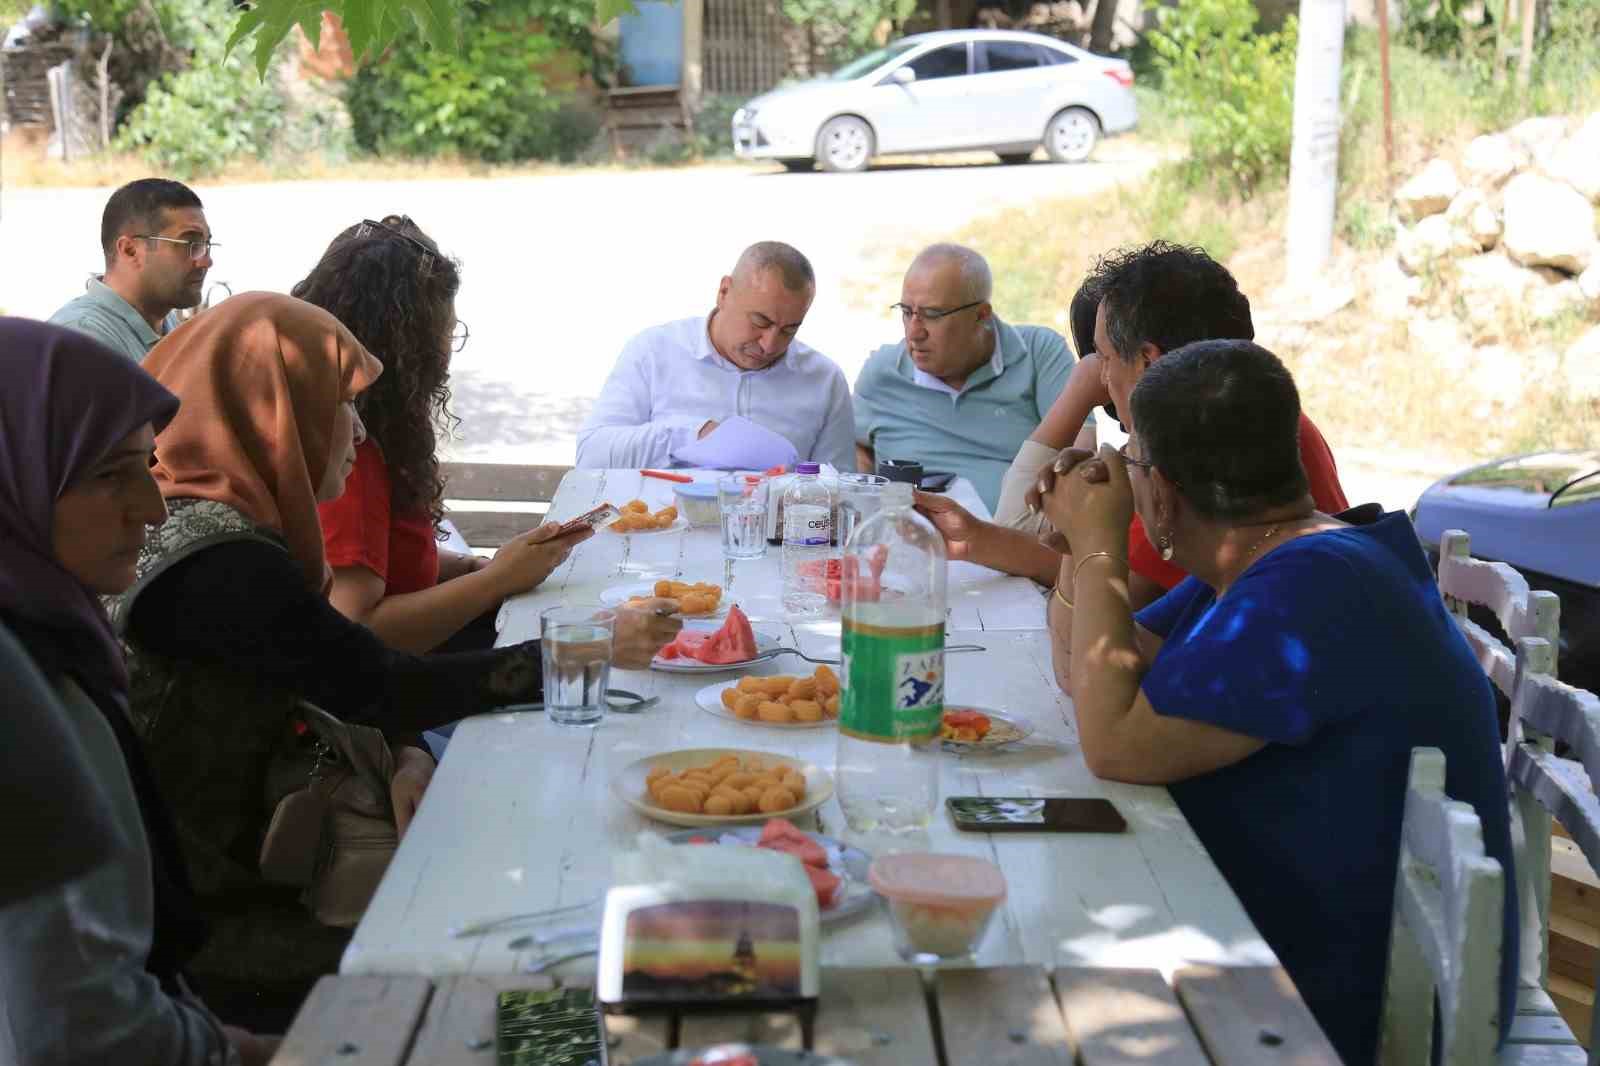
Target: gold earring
{"type": "Point", "coordinates": [1166, 547]}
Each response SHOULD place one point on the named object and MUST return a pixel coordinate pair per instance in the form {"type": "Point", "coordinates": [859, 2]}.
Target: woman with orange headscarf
{"type": "Point", "coordinates": [229, 626]}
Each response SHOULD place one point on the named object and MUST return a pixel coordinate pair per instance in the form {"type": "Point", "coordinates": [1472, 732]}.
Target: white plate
{"type": "Point", "coordinates": [630, 788]}
{"type": "Point", "coordinates": [765, 642]}
{"type": "Point", "coordinates": [617, 595]}
{"type": "Point", "coordinates": [710, 701]}
{"type": "Point", "coordinates": [858, 895]}
{"type": "Point", "coordinates": [1003, 729]}
{"type": "Point", "coordinates": [679, 524]}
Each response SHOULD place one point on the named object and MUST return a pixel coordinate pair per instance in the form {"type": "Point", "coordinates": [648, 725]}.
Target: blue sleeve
{"type": "Point", "coordinates": [1162, 615]}
{"type": "Point", "coordinates": [865, 419]}
{"type": "Point", "coordinates": [1280, 657]}
{"type": "Point", "coordinates": [1052, 366]}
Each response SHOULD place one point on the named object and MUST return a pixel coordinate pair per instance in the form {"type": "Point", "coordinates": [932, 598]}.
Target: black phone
{"type": "Point", "coordinates": [1024, 814]}
{"type": "Point", "coordinates": [936, 482]}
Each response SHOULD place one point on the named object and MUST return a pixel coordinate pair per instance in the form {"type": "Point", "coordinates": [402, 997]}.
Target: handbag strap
{"type": "Point", "coordinates": [337, 734]}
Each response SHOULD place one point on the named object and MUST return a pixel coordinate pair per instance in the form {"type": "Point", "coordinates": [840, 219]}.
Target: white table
{"type": "Point", "coordinates": [520, 815]}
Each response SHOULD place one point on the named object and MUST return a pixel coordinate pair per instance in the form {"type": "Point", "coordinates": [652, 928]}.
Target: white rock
{"type": "Point", "coordinates": [1550, 301]}
{"type": "Point", "coordinates": [1391, 291]}
{"type": "Point", "coordinates": [1538, 136]}
{"type": "Point", "coordinates": [1472, 214]}
{"type": "Point", "coordinates": [1589, 283]}
{"type": "Point", "coordinates": [1491, 159]}
{"type": "Point", "coordinates": [1576, 160]}
{"type": "Point", "coordinates": [1493, 293]}
{"type": "Point", "coordinates": [1582, 363]}
{"type": "Point", "coordinates": [1429, 192]}
{"type": "Point", "coordinates": [1548, 223]}
{"type": "Point", "coordinates": [1432, 239]}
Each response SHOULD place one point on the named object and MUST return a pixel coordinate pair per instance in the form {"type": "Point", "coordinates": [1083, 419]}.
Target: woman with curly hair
{"type": "Point", "coordinates": [389, 284]}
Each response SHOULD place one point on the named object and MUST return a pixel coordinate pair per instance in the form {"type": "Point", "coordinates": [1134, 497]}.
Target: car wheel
{"type": "Point", "coordinates": [845, 145]}
{"type": "Point", "coordinates": [796, 166]}
{"type": "Point", "coordinates": [1072, 135]}
{"type": "Point", "coordinates": [1012, 159]}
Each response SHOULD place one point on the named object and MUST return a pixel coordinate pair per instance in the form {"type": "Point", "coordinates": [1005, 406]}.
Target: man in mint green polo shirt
{"type": "Point", "coordinates": [963, 390]}
{"type": "Point", "coordinates": [158, 248]}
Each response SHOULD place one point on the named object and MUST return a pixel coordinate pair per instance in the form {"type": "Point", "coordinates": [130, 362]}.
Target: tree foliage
{"type": "Point", "coordinates": [838, 31]}
{"type": "Point", "coordinates": [1232, 87]}
{"type": "Point", "coordinates": [372, 25]}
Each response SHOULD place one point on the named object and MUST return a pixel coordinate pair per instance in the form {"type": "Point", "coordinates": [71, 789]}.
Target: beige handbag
{"type": "Point", "coordinates": [334, 832]}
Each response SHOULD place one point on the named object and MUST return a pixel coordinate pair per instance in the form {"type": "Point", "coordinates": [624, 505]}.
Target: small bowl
{"type": "Point", "coordinates": [697, 502]}
{"type": "Point", "coordinates": [941, 906]}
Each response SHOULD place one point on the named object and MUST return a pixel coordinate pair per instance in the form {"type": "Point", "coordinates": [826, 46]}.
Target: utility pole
{"type": "Point", "coordinates": [1314, 155]}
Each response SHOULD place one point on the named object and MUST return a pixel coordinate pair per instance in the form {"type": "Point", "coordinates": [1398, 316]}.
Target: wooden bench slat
{"type": "Point", "coordinates": [1539, 1029]}
{"type": "Point", "coordinates": [871, 1017]}
{"type": "Point", "coordinates": [356, 1021]}
{"type": "Point", "coordinates": [501, 481]}
{"type": "Point", "coordinates": [1542, 1055]}
{"type": "Point", "coordinates": [1234, 1009]}
{"type": "Point", "coordinates": [459, 1027]}
{"type": "Point", "coordinates": [1000, 1016]}
{"type": "Point", "coordinates": [1125, 1017]}
{"type": "Point", "coordinates": [490, 529]}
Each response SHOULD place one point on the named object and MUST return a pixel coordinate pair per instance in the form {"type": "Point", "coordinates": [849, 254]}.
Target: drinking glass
{"type": "Point", "coordinates": [742, 499]}
{"type": "Point", "coordinates": [860, 497]}
{"type": "Point", "coordinates": [575, 640]}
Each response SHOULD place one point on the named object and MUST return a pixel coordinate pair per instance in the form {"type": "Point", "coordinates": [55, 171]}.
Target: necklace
{"type": "Point", "coordinates": [1264, 538]}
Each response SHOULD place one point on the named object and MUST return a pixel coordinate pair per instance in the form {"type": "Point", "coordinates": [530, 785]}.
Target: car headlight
{"type": "Point", "coordinates": [743, 115]}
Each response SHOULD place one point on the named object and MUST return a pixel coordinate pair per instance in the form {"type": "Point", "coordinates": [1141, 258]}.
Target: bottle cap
{"type": "Point", "coordinates": [808, 468]}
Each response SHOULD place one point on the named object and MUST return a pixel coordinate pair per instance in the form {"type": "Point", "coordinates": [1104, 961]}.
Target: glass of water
{"type": "Point", "coordinates": [860, 497]}
{"type": "Point", "coordinates": [743, 502]}
{"type": "Point", "coordinates": [575, 640]}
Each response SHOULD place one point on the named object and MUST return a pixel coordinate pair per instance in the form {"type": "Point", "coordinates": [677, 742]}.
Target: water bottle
{"type": "Point", "coordinates": [807, 533]}
{"type": "Point", "coordinates": [892, 595]}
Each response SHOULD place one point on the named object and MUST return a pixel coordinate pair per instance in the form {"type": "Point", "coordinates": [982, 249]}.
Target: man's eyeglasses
{"type": "Point", "coordinates": [196, 249]}
{"type": "Point", "coordinates": [459, 335]}
{"type": "Point", "coordinates": [1143, 464]}
{"type": "Point", "coordinates": [928, 314]}
{"type": "Point", "coordinates": [392, 225]}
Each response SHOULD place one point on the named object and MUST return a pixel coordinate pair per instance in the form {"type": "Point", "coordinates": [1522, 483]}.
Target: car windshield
{"type": "Point", "coordinates": [871, 61]}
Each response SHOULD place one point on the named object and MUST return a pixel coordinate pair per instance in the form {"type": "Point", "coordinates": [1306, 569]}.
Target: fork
{"type": "Point", "coordinates": [775, 652]}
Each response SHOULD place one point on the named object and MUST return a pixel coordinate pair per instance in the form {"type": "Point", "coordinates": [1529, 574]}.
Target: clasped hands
{"type": "Point", "coordinates": [1087, 497]}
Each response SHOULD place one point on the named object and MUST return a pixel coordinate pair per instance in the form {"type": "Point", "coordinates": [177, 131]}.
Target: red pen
{"type": "Point", "coordinates": [682, 479]}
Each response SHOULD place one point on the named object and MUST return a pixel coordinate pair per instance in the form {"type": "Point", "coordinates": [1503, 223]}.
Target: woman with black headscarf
{"type": "Point", "coordinates": [92, 972]}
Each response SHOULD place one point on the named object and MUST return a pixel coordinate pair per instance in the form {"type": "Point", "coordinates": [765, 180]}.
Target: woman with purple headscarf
{"type": "Point", "coordinates": [92, 971]}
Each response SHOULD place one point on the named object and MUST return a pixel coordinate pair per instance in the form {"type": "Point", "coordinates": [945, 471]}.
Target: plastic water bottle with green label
{"type": "Point", "coordinates": [892, 601]}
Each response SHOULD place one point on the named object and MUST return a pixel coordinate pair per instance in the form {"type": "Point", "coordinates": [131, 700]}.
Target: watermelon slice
{"type": "Point", "coordinates": [735, 642]}
{"type": "Point", "coordinates": [826, 884]}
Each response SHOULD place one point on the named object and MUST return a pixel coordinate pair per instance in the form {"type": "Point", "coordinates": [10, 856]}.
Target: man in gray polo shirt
{"type": "Point", "coordinates": [963, 390]}
{"type": "Point", "coordinates": [158, 248]}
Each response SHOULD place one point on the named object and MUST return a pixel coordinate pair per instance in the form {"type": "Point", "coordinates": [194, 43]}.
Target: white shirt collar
{"type": "Point", "coordinates": [921, 377]}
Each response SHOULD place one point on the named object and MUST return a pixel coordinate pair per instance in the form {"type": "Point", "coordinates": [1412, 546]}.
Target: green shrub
{"type": "Point", "coordinates": [837, 31]}
{"type": "Point", "coordinates": [1231, 87]}
{"type": "Point", "coordinates": [199, 119]}
{"type": "Point", "coordinates": [487, 102]}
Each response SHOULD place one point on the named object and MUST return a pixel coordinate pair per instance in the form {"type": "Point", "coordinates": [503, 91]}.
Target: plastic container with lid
{"type": "Point", "coordinates": [941, 905]}
{"type": "Point", "coordinates": [697, 502]}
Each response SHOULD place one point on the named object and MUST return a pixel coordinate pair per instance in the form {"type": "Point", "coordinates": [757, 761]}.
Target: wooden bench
{"type": "Point", "coordinates": [517, 497]}
{"type": "Point", "coordinates": [997, 1016]}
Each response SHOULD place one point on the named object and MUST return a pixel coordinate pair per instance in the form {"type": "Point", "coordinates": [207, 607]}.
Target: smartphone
{"type": "Point", "coordinates": [597, 519]}
{"type": "Point", "coordinates": [1056, 814]}
{"type": "Point", "coordinates": [936, 482]}
{"type": "Point", "coordinates": [558, 1027]}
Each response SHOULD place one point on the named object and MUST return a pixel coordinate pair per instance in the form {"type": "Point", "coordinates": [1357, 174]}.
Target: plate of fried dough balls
{"type": "Point", "coordinates": [781, 701]}
{"type": "Point", "coordinates": [721, 786]}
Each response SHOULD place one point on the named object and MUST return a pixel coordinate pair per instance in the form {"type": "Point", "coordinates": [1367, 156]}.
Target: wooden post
{"type": "Point", "coordinates": [1314, 154]}
{"type": "Point", "coordinates": [1530, 16]}
{"type": "Point", "coordinates": [693, 78]}
{"type": "Point", "coordinates": [1388, 113]}
{"type": "Point", "coordinates": [1502, 28]}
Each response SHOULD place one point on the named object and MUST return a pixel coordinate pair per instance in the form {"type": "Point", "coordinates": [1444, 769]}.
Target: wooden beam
{"type": "Point", "coordinates": [356, 1021]}
{"type": "Point", "coordinates": [1125, 1018]}
{"type": "Point", "coordinates": [508, 482]}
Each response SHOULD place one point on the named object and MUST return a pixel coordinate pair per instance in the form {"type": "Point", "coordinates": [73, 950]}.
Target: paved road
{"type": "Point", "coordinates": [561, 269]}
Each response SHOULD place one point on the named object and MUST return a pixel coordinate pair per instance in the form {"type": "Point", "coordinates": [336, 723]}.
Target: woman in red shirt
{"type": "Point", "coordinates": [390, 285]}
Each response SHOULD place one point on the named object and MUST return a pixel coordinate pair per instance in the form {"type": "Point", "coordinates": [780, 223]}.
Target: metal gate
{"type": "Point", "coordinates": [744, 46]}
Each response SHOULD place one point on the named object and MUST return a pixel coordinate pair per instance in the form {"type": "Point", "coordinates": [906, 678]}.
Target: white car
{"type": "Point", "coordinates": [996, 90]}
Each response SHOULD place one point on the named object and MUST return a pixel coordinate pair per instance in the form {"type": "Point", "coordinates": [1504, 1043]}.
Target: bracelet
{"type": "Point", "coordinates": [1064, 601]}
{"type": "Point", "coordinates": [1094, 555]}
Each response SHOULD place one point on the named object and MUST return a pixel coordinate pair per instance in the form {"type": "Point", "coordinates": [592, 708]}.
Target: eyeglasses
{"type": "Point", "coordinates": [928, 315]}
{"type": "Point", "coordinates": [392, 226]}
{"type": "Point", "coordinates": [197, 249]}
{"type": "Point", "coordinates": [459, 335]}
{"type": "Point", "coordinates": [1143, 464]}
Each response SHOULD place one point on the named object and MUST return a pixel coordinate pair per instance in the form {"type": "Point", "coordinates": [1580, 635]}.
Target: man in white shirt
{"type": "Point", "coordinates": [731, 389]}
